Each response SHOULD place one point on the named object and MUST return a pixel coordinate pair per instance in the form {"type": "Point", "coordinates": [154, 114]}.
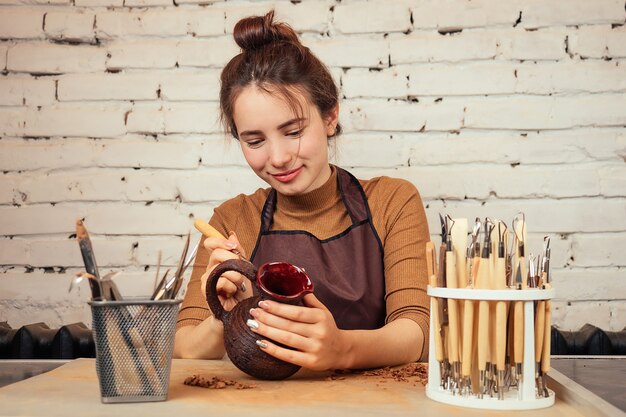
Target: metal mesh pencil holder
{"type": "Point", "coordinates": [134, 343]}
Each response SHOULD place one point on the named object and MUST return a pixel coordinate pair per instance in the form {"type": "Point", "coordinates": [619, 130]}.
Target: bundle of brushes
{"type": "Point", "coordinates": [479, 344]}
{"type": "Point", "coordinates": [104, 288]}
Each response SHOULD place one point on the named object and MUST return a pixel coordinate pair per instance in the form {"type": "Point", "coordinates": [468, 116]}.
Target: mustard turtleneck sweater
{"type": "Point", "coordinates": [398, 217]}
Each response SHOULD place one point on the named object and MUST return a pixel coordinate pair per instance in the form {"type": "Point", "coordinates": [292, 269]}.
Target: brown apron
{"type": "Point", "coordinates": [347, 269]}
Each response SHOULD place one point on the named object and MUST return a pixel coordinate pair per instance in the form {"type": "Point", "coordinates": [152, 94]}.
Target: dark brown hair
{"type": "Point", "coordinates": [273, 59]}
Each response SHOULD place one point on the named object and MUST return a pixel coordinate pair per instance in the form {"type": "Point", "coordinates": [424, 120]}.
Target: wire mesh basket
{"type": "Point", "coordinates": [134, 343]}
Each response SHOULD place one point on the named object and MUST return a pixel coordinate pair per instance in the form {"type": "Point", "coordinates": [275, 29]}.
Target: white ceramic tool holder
{"type": "Point", "coordinates": [512, 400]}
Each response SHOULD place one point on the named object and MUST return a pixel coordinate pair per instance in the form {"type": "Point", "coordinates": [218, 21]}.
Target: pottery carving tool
{"type": "Point", "coordinates": [209, 231]}
{"type": "Point", "coordinates": [501, 310]}
{"type": "Point", "coordinates": [431, 265]}
{"type": "Point", "coordinates": [443, 302]}
{"type": "Point", "coordinates": [545, 284]}
{"type": "Point", "coordinates": [519, 261]}
{"type": "Point", "coordinates": [482, 282]}
{"type": "Point", "coordinates": [465, 307]}
{"type": "Point", "coordinates": [453, 307]}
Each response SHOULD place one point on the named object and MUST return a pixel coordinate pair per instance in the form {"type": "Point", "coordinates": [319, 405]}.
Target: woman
{"type": "Point", "coordinates": [362, 242]}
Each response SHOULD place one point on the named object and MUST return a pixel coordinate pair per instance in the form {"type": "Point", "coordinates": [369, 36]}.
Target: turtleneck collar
{"type": "Point", "coordinates": [319, 198]}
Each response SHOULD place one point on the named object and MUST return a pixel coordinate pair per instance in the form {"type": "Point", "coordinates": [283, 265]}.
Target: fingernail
{"type": "Point", "coordinates": [261, 344]}
{"type": "Point", "coordinates": [253, 324]}
{"type": "Point", "coordinates": [231, 245]}
{"type": "Point", "coordinates": [264, 305]}
{"type": "Point", "coordinates": [243, 287]}
{"type": "Point", "coordinates": [253, 312]}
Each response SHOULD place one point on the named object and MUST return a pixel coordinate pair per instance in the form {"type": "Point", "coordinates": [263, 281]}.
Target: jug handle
{"type": "Point", "coordinates": [243, 267]}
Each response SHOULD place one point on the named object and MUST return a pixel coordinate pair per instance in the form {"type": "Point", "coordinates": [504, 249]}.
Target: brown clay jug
{"type": "Point", "coordinates": [278, 281]}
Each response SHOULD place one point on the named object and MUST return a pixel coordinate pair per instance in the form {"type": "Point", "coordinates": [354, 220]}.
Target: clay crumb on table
{"type": "Point", "coordinates": [412, 372]}
{"type": "Point", "coordinates": [215, 382]}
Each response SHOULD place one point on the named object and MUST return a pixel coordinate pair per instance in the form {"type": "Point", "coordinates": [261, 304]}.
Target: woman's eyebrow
{"type": "Point", "coordinates": [281, 126]}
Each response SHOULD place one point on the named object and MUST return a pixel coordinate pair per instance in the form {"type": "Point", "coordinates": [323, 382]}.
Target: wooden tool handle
{"type": "Point", "coordinates": [206, 229]}
{"type": "Point", "coordinates": [431, 262]}
{"type": "Point", "coordinates": [545, 357]}
{"type": "Point", "coordinates": [518, 332]}
{"type": "Point", "coordinates": [540, 316]}
{"type": "Point", "coordinates": [500, 348]}
{"type": "Point", "coordinates": [483, 334]}
{"type": "Point", "coordinates": [453, 308]}
{"type": "Point", "coordinates": [437, 331]}
{"type": "Point", "coordinates": [468, 339]}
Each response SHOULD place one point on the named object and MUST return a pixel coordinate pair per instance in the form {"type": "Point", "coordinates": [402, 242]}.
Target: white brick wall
{"type": "Point", "coordinates": [109, 112]}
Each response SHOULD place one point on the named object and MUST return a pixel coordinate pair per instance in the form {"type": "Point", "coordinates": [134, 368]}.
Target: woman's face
{"type": "Point", "coordinates": [287, 152]}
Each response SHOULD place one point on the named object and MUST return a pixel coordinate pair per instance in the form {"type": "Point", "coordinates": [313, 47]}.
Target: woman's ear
{"type": "Point", "coordinates": [331, 120]}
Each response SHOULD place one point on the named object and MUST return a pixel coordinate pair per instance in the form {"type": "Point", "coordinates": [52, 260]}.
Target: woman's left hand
{"type": "Point", "coordinates": [310, 330]}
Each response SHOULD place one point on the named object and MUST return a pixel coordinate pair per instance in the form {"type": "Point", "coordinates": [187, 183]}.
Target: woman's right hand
{"type": "Point", "coordinates": [231, 283]}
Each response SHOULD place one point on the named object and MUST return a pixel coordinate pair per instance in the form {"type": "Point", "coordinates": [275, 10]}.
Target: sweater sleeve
{"type": "Point", "coordinates": [403, 230]}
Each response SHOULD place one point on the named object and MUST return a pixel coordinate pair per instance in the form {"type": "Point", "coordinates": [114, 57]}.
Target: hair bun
{"type": "Point", "coordinates": [256, 31]}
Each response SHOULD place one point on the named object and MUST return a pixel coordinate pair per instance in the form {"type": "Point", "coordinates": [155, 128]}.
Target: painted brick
{"type": "Point", "coordinates": [613, 181]}
{"type": "Point", "coordinates": [548, 216]}
{"type": "Point", "coordinates": [534, 45]}
{"type": "Point", "coordinates": [218, 184]}
{"type": "Point", "coordinates": [480, 182]}
{"type": "Point", "coordinates": [101, 218]}
{"type": "Point", "coordinates": [488, 77]}
{"type": "Point", "coordinates": [598, 42]}
{"type": "Point", "coordinates": [74, 26]}
{"type": "Point", "coordinates": [202, 2]}
{"type": "Point", "coordinates": [76, 120]}
{"type": "Point", "coordinates": [214, 52]}
{"type": "Point", "coordinates": [372, 16]}
{"type": "Point", "coordinates": [545, 147]}
{"type": "Point", "coordinates": [387, 82]}
{"type": "Point", "coordinates": [591, 250]}
{"type": "Point", "coordinates": [359, 150]}
{"type": "Point", "coordinates": [65, 253]}
{"type": "Point", "coordinates": [191, 85]}
{"type": "Point", "coordinates": [538, 13]}
{"type": "Point", "coordinates": [51, 58]}
{"type": "Point", "coordinates": [21, 22]}
{"type": "Point", "coordinates": [453, 14]}
{"type": "Point", "coordinates": [233, 12]}
{"type": "Point", "coordinates": [18, 91]}
{"type": "Point", "coordinates": [4, 49]}
{"type": "Point", "coordinates": [582, 76]}
{"type": "Point", "coordinates": [12, 121]}
{"type": "Point", "coordinates": [24, 155]}
{"type": "Point", "coordinates": [402, 116]}
{"type": "Point", "coordinates": [422, 46]}
{"type": "Point", "coordinates": [351, 51]}
{"type": "Point", "coordinates": [574, 285]}
{"type": "Point", "coordinates": [99, 3]}
{"type": "Point", "coordinates": [148, 3]}
{"type": "Point", "coordinates": [98, 86]}
{"type": "Point", "coordinates": [153, 53]}
{"type": "Point", "coordinates": [142, 22]}
{"type": "Point", "coordinates": [73, 120]}
{"type": "Point", "coordinates": [530, 113]}
{"type": "Point", "coordinates": [306, 16]}
{"type": "Point", "coordinates": [146, 118]}
{"type": "Point", "coordinates": [206, 22]}
{"type": "Point", "coordinates": [219, 148]}
{"type": "Point", "coordinates": [575, 314]}
{"type": "Point", "coordinates": [146, 252]}
{"type": "Point", "coordinates": [192, 118]}
{"type": "Point", "coordinates": [153, 153]}
{"type": "Point", "coordinates": [96, 185]}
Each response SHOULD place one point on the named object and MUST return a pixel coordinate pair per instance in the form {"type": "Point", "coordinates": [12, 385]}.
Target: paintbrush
{"type": "Point", "coordinates": [89, 259]}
